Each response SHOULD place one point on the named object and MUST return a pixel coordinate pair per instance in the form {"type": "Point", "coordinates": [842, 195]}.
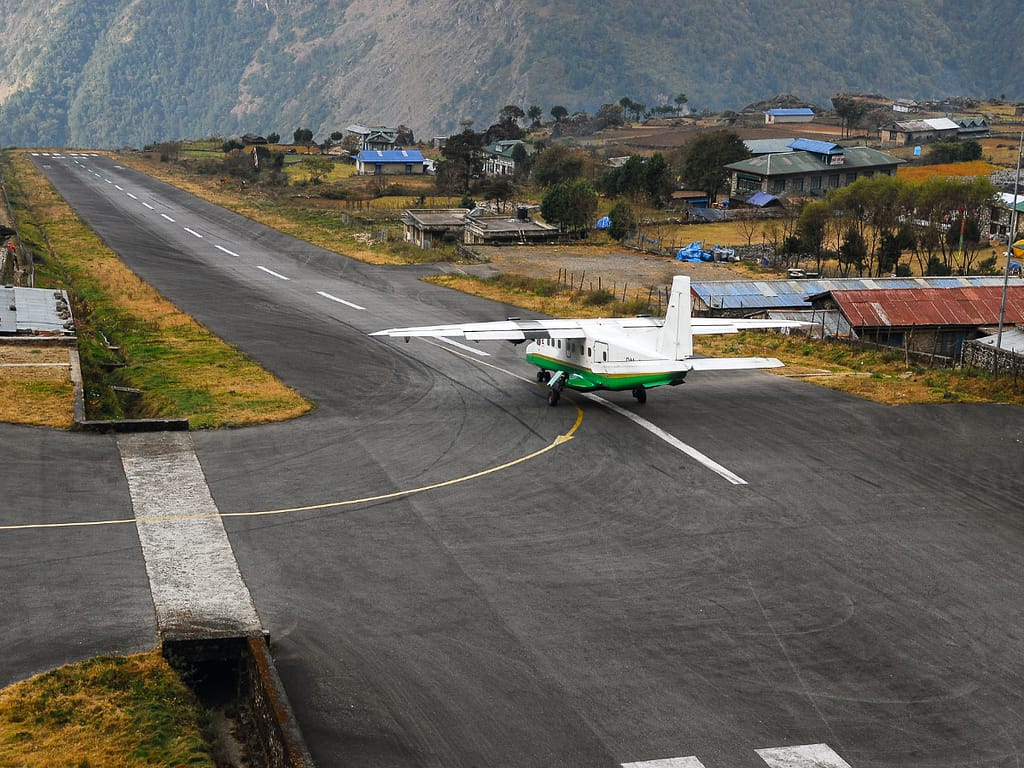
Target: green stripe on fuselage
{"type": "Point", "coordinates": [585, 380]}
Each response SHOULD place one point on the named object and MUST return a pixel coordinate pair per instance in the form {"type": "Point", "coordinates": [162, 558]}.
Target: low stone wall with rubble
{"type": "Point", "coordinates": [988, 358]}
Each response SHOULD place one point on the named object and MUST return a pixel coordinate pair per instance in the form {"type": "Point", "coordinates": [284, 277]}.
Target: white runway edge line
{"type": "Point", "coordinates": [460, 345]}
{"type": "Point", "coordinates": [340, 301]}
{"type": "Point", "coordinates": [192, 569]}
{"type": "Point", "coordinates": [272, 272]}
{"type": "Point", "coordinates": [675, 442]}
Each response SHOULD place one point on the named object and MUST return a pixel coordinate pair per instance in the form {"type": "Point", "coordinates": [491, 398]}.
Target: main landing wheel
{"type": "Point", "coordinates": [553, 397]}
{"type": "Point", "coordinates": [543, 376]}
{"type": "Point", "coordinates": [640, 394]}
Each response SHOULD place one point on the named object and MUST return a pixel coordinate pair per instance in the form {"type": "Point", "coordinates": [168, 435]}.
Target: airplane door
{"type": "Point", "coordinates": [600, 352]}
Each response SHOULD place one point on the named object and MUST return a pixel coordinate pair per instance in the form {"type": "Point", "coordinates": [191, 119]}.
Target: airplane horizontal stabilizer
{"type": "Point", "coordinates": [718, 325]}
{"type": "Point", "coordinates": [732, 363]}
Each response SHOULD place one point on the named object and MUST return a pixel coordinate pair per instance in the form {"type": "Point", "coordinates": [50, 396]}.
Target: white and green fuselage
{"type": "Point", "coordinates": [624, 353]}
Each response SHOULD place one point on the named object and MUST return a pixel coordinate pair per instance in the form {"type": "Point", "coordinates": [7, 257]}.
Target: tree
{"type": "Point", "coordinates": [500, 189]}
{"type": "Point", "coordinates": [705, 158]}
{"type": "Point", "coordinates": [570, 205]}
{"type": "Point", "coordinates": [609, 116]}
{"type": "Point", "coordinates": [640, 178]}
{"type": "Point", "coordinates": [557, 163]}
{"type": "Point", "coordinates": [559, 113]}
{"type": "Point", "coordinates": [624, 220]}
{"type": "Point", "coordinates": [318, 168]}
{"type": "Point", "coordinates": [463, 151]}
{"type": "Point", "coordinates": [521, 158]}
{"type": "Point", "coordinates": [510, 115]}
{"type": "Point", "coordinates": [273, 138]}
{"type": "Point", "coordinates": [534, 113]}
{"type": "Point", "coordinates": [811, 228]}
{"type": "Point", "coordinates": [852, 252]}
{"type": "Point", "coordinates": [680, 101]}
{"type": "Point", "coordinates": [303, 136]}
{"type": "Point", "coordinates": [849, 110]}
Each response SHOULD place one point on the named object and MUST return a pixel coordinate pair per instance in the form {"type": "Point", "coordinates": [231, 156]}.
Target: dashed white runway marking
{"type": "Point", "coordinates": [119, 187]}
{"type": "Point", "coordinates": [340, 301]}
{"type": "Point", "coordinates": [133, 197]}
{"type": "Point", "coordinates": [149, 206]}
{"type": "Point", "coordinates": [272, 272]}
{"type": "Point", "coordinates": [167, 217]}
{"type": "Point", "coordinates": [808, 756]}
{"type": "Point", "coordinates": [229, 253]}
{"type": "Point", "coordinates": [192, 232]}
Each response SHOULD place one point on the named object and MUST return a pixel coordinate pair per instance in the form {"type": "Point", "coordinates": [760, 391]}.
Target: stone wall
{"type": "Point", "coordinates": [988, 358]}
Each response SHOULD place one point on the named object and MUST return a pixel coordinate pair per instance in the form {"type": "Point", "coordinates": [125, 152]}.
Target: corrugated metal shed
{"type": "Point", "coordinates": [904, 308]}
{"type": "Point", "coordinates": [768, 146]}
{"type": "Point", "coordinates": [1012, 341]}
{"type": "Point", "coordinates": [754, 295]}
{"type": "Point", "coordinates": [791, 112]}
{"type": "Point", "coordinates": [26, 311]}
{"type": "Point", "coordinates": [817, 147]}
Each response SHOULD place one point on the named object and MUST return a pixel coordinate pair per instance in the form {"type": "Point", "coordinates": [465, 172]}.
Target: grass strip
{"type": "Point", "coordinates": [131, 337]}
{"type": "Point", "coordinates": [114, 712]}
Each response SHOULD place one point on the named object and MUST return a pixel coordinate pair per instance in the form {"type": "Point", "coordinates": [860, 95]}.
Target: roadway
{"type": "Point", "coordinates": [851, 593]}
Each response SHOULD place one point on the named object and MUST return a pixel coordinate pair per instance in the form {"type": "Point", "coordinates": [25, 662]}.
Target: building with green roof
{"type": "Point", "coordinates": [811, 170]}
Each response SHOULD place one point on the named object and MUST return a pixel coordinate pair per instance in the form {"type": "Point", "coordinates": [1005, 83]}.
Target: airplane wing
{"type": "Point", "coordinates": [521, 330]}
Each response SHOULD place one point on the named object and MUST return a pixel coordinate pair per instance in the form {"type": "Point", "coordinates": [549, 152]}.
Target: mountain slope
{"type": "Point", "coordinates": [113, 72]}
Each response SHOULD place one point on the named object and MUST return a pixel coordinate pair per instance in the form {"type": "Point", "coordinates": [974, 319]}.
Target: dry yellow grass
{"type": "Point", "coordinates": [35, 386]}
{"type": "Point", "coordinates": [129, 712]}
{"type": "Point", "coordinates": [921, 172]}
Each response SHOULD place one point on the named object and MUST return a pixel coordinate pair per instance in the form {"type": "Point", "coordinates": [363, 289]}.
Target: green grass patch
{"type": "Point", "coordinates": [114, 712]}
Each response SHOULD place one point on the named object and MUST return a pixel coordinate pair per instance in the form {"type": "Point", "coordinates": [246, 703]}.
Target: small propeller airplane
{"type": "Point", "coordinates": [619, 353]}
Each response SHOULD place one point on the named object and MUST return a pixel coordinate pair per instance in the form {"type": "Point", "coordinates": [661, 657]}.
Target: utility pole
{"type": "Point", "coordinates": [1009, 249]}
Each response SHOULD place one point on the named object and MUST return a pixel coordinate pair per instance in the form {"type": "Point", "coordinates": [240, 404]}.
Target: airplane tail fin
{"type": "Point", "coordinates": [675, 340]}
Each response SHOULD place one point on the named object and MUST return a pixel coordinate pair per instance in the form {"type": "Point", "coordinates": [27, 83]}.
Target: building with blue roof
{"type": "Point", "coordinates": [788, 115]}
{"type": "Point", "coordinates": [378, 162]}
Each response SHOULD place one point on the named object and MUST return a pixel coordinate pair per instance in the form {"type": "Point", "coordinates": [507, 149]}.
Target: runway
{"type": "Point", "coordinates": [455, 574]}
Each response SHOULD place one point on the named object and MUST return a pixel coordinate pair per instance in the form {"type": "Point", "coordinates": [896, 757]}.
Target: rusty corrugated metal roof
{"type": "Point", "coordinates": [967, 306]}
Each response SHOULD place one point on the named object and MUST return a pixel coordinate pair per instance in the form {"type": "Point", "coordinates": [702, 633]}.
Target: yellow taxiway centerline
{"type": "Point", "coordinates": [560, 440]}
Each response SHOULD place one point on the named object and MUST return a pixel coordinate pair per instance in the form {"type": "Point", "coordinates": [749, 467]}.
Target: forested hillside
{"type": "Point", "coordinates": [113, 72]}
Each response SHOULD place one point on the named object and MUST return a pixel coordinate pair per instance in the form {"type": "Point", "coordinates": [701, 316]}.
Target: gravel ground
{"type": "Point", "coordinates": [615, 267]}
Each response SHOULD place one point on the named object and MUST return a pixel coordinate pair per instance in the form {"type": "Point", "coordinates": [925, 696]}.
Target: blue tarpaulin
{"type": "Point", "coordinates": [603, 223]}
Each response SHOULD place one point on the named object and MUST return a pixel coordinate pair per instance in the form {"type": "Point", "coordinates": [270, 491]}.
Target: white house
{"type": "Point", "coordinates": [788, 115]}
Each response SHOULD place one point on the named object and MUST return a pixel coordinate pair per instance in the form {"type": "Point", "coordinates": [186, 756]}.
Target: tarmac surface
{"type": "Point", "coordinates": [448, 582]}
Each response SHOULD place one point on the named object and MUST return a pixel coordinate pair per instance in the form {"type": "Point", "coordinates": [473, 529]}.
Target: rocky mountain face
{"type": "Point", "coordinates": [105, 73]}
